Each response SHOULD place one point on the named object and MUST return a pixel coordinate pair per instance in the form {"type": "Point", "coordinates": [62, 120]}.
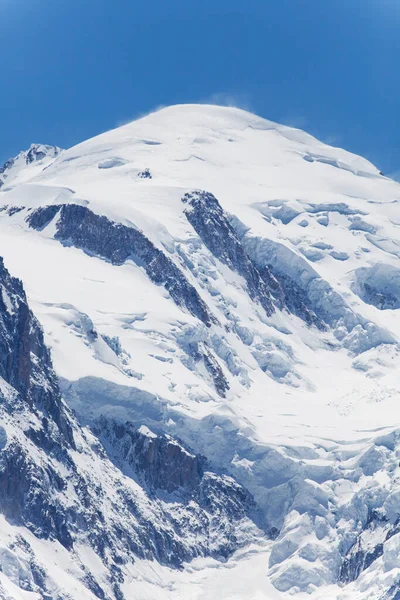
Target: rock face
{"type": "Point", "coordinates": [164, 466]}
{"type": "Point", "coordinates": [362, 554]}
{"type": "Point", "coordinates": [30, 396]}
{"type": "Point", "coordinates": [40, 151]}
{"type": "Point", "coordinates": [57, 481]}
{"type": "Point", "coordinates": [24, 359]}
{"type": "Point", "coordinates": [371, 544]}
{"type": "Point", "coordinates": [392, 594]}
{"type": "Point", "coordinates": [206, 216]}
{"type": "Point", "coordinates": [3, 170]}
{"type": "Point", "coordinates": [154, 458]}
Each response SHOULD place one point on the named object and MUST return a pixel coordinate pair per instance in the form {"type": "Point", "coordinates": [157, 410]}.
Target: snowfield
{"type": "Point", "coordinates": [211, 276]}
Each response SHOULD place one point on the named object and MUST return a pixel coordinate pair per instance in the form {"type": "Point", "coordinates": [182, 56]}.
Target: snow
{"type": "Point", "coordinates": [7, 301]}
{"type": "Point", "coordinates": [146, 431]}
{"type": "Point", "coordinates": [242, 577]}
{"type": "Point", "coordinates": [302, 403]}
{"type": "Point", "coordinates": [27, 164]}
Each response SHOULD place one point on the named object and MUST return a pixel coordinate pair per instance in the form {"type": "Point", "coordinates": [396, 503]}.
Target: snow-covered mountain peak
{"type": "Point", "coordinates": [37, 157]}
{"type": "Point", "coordinates": [37, 152]}
{"type": "Point", "coordinates": [198, 129]}
{"type": "Point", "coordinates": [231, 286]}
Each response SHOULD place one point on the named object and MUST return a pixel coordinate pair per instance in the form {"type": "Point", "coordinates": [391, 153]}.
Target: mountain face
{"type": "Point", "coordinates": [199, 388]}
{"type": "Point", "coordinates": [120, 492]}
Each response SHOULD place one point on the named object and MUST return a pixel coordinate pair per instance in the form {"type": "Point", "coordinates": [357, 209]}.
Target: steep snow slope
{"type": "Point", "coordinates": [233, 283]}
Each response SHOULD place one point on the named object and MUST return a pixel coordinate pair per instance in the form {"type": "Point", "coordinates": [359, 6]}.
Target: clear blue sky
{"type": "Point", "coordinates": [73, 68]}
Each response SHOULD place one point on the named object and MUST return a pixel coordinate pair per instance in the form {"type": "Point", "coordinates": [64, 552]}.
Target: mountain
{"type": "Point", "coordinates": [27, 164]}
{"type": "Point", "coordinates": [201, 399]}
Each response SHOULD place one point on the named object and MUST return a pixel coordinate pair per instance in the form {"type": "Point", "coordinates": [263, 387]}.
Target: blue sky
{"type": "Point", "coordinates": [73, 68]}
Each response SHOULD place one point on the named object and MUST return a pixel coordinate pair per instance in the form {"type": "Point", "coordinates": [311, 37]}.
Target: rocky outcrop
{"type": "Point", "coordinates": [369, 545]}
{"type": "Point", "coordinates": [164, 464]}
{"type": "Point", "coordinates": [392, 594]}
{"type": "Point", "coordinates": [160, 462]}
{"type": "Point", "coordinates": [24, 359]}
{"type": "Point", "coordinates": [207, 217]}
{"type": "Point", "coordinates": [178, 478]}
{"type": "Point", "coordinates": [38, 152]}
{"type": "Point", "coordinates": [9, 163]}
{"type": "Point", "coordinates": [271, 288]}
{"type": "Point", "coordinates": [3, 170]}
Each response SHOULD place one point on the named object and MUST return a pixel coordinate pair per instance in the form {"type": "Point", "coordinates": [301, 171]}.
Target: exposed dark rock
{"type": "Point", "coordinates": [38, 152]}
{"type": "Point", "coordinates": [42, 216]}
{"type": "Point", "coordinates": [361, 555]}
{"type": "Point", "coordinates": [298, 303]}
{"type": "Point", "coordinates": [207, 217]}
{"type": "Point", "coordinates": [158, 461]}
{"type": "Point", "coordinates": [392, 594]}
{"type": "Point", "coordinates": [14, 210]}
{"type": "Point", "coordinates": [81, 228]}
{"type": "Point", "coordinates": [213, 367]}
{"type": "Point", "coordinates": [357, 561]}
{"type": "Point", "coordinates": [145, 174]}
{"type": "Point", "coordinates": [25, 362]}
{"type": "Point", "coordinates": [163, 464]}
{"type": "Point", "coordinates": [175, 474]}
{"type": "Point", "coordinates": [9, 163]}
